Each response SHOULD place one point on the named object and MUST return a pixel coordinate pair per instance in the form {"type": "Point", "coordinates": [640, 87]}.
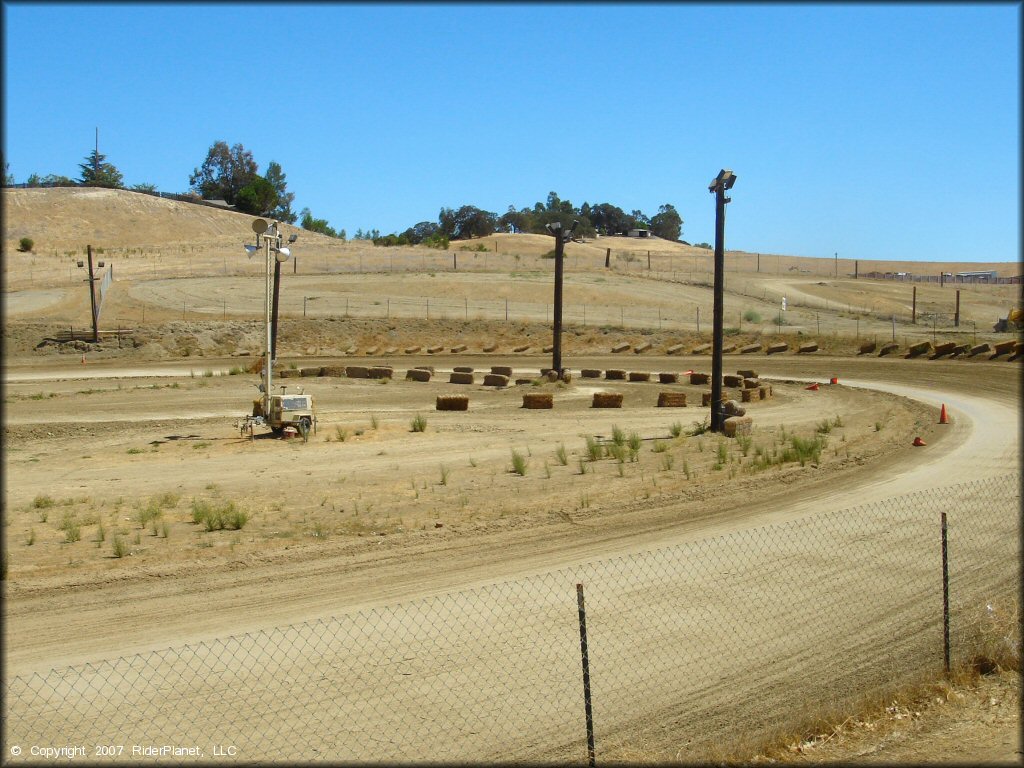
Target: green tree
{"type": "Point", "coordinates": [258, 198]}
{"type": "Point", "coordinates": [98, 173]}
{"type": "Point", "coordinates": [151, 188]}
{"type": "Point", "coordinates": [282, 209]}
{"type": "Point", "coordinates": [308, 222]}
{"type": "Point", "coordinates": [224, 173]}
{"type": "Point", "coordinates": [667, 223]}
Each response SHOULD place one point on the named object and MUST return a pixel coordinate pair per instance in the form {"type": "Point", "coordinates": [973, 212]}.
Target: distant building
{"type": "Point", "coordinates": [980, 275]}
{"type": "Point", "coordinates": [639, 233]}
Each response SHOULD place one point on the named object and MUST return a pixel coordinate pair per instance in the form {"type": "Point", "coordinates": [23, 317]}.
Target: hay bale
{"type": "Point", "coordinates": [1018, 348]}
{"type": "Point", "coordinates": [418, 374]}
{"type": "Point", "coordinates": [675, 349]}
{"type": "Point", "coordinates": [289, 373]}
{"type": "Point", "coordinates": [778, 346]}
{"type": "Point", "coordinates": [738, 425]}
{"type": "Point", "coordinates": [381, 372]}
{"type": "Point", "coordinates": [867, 348]}
{"type": "Point", "coordinates": [731, 380]}
{"type": "Point", "coordinates": [732, 408]}
{"type": "Point", "coordinates": [811, 346]}
{"type": "Point", "coordinates": [523, 381]}
{"type": "Point", "coordinates": [751, 383]}
{"type": "Point", "coordinates": [642, 347]}
{"type": "Point", "coordinates": [747, 395]}
{"type": "Point", "coordinates": [357, 371]}
{"type": "Point", "coordinates": [452, 403]}
{"type": "Point", "coordinates": [699, 378]}
{"type": "Point", "coordinates": [591, 373]}
{"type": "Point", "coordinates": [1003, 347]}
{"type": "Point", "coordinates": [615, 374]}
{"type": "Point", "coordinates": [751, 348]}
{"type": "Point", "coordinates": [461, 378]}
{"type": "Point", "coordinates": [607, 400]}
{"type": "Point", "coordinates": [332, 370]}
{"type": "Point", "coordinates": [425, 368]}
{"type": "Point", "coordinates": [943, 349]}
{"type": "Point", "coordinates": [490, 347]}
{"type": "Point", "coordinates": [621, 347]}
{"type": "Point", "coordinates": [916, 350]}
{"type": "Point", "coordinates": [977, 350]}
{"type": "Point", "coordinates": [959, 349]}
{"type": "Point", "coordinates": [371, 351]}
{"type": "Point", "coordinates": [671, 399]}
{"type": "Point", "coordinates": [313, 371]}
{"type": "Point", "coordinates": [495, 380]}
{"type": "Point", "coordinates": [639, 376]}
{"type": "Point", "coordinates": [502, 370]}
{"type": "Point", "coordinates": [747, 373]}
{"type": "Point", "coordinates": [765, 391]}
{"type": "Point", "coordinates": [521, 348]}
{"type": "Point", "coordinates": [888, 349]}
{"type": "Point", "coordinates": [566, 375]}
{"type": "Point", "coordinates": [702, 349]}
{"type": "Point", "coordinates": [668, 378]}
{"type": "Point", "coordinates": [459, 348]}
{"type": "Point", "coordinates": [538, 400]}
{"type": "Point", "coordinates": [705, 399]}
{"type": "Point", "coordinates": [435, 349]}
{"type": "Point", "coordinates": [412, 350]}
{"type": "Point", "coordinates": [463, 369]}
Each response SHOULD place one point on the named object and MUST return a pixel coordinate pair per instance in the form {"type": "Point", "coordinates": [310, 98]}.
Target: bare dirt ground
{"type": "Point", "coordinates": [367, 513]}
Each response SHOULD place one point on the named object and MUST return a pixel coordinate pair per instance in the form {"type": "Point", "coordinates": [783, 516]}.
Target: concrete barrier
{"type": "Point", "coordinates": [622, 347]}
{"type": "Point", "coordinates": [547, 349]}
{"type": "Point", "coordinates": [418, 374]}
{"type": "Point", "coordinates": [675, 349]}
{"type": "Point", "coordinates": [811, 346]}
{"type": "Point", "coordinates": [607, 400]}
{"type": "Point", "coordinates": [639, 376]}
{"type": "Point", "coordinates": [521, 348]}
{"type": "Point", "coordinates": [490, 347]}
{"type": "Point", "coordinates": [459, 348]}
{"type": "Point", "coordinates": [699, 378]}
{"type": "Point", "coordinates": [671, 399]}
{"type": "Point", "coordinates": [779, 346]}
{"type": "Point", "coordinates": [750, 348]}
{"type": "Point", "coordinates": [502, 370]}
{"type": "Point", "coordinates": [435, 349]}
{"type": "Point", "coordinates": [538, 400]}
{"type": "Point", "coordinates": [921, 348]}
{"type": "Point", "coordinates": [391, 351]}
{"type": "Point", "coordinates": [312, 371]}
{"type": "Point", "coordinates": [867, 348]}
{"type": "Point", "coordinates": [371, 351]}
{"type": "Point", "coordinates": [460, 378]}
{"type": "Point", "coordinates": [668, 378]}
{"type": "Point", "coordinates": [943, 349]}
{"type": "Point", "coordinates": [959, 349]}
{"type": "Point", "coordinates": [701, 349]}
{"type": "Point", "coordinates": [888, 349]}
{"type": "Point", "coordinates": [351, 350]}
{"type": "Point", "coordinates": [452, 403]}
{"type": "Point", "coordinates": [643, 347]}
{"type": "Point", "coordinates": [357, 371]}
{"type": "Point", "coordinates": [978, 349]}
{"type": "Point", "coordinates": [615, 374]}
{"type": "Point", "coordinates": [591, 373]}
{"type": "Point", "coordinates": [495, 380]}
{"type": "Point", "coordinates": [381, 372]}
{"type": "Point", "coordinates": [332, 370]}
{"type": "Point", "coordinates": [1002, 348]}
{"type": "Point", "coordinates": [412, 350]}
{"type": "Point", "coordinates": [728, 348]}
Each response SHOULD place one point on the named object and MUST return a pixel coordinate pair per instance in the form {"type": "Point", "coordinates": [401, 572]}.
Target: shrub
{"type": "Point", "coordinates": [594, 450]}
{"type": "Point", "coordinates": [519, 463]}
{"type": "Point", "coordinates": [119, 547]}
{"type": "Point", "coordinates": [42, 502]}
{"type": "Point", "coordinates": [751, 316]}
{"type": "Point", "coordinates": [561, 455]}
{"type": "Point", "coordinates": [676, 429]}
{"type": "Point", "coordinates": [26, 244]}
{"type": "Point", "coordinates": [419, 423]}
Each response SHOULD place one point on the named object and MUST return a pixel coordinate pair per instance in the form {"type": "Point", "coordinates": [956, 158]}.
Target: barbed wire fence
{"type": "Point", "coordinates": [702, 649]}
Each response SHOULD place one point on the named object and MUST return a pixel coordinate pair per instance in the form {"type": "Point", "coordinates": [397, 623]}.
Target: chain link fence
{"type": "Point", "coordinates": [702, 649]}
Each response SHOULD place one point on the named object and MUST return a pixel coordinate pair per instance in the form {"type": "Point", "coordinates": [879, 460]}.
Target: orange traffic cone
{"type": "Point", "coordinates": [813, 387]}
{"type": "Point", "coordinates": [919, 442]}
{"type": "Point", "coordinates": [943, 418]}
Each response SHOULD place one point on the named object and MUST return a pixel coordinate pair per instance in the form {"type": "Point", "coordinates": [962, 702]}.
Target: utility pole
{"type": "Point", "coordinates": [92, 299]}
{"type": "Point", "coordinates": [555, 228]}
{"type": "Point", "coordinates": [718, 187]}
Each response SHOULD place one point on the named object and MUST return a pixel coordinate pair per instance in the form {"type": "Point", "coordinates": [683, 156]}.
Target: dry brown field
{"type": "Point", "coordinates": [120, 441]}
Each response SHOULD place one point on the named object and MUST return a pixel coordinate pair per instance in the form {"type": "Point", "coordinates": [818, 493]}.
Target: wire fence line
{"type": "Point", "coordinates": [739, 637]}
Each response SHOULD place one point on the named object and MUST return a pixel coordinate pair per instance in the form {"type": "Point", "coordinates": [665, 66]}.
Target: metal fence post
{"type": "Point", "coordinates": [945, 594]}
{"type": "Point", "coordinates": [586, 674]}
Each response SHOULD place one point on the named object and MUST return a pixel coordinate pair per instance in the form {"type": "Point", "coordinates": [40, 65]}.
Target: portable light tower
{"type": "Point", "coordinates": [268, 238]}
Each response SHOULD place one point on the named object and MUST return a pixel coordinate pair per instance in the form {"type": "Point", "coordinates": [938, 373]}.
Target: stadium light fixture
{"type": "Point", "coordinates": [723, 181]}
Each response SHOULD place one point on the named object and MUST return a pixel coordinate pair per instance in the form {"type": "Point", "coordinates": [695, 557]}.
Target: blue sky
{"type": "Point", "coordinates": [877, 131]}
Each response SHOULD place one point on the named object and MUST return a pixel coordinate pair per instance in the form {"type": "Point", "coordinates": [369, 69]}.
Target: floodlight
{"type": "Point", "coordinates": [554, 226]}
{"type": "Point", "coordinates": [81, 263]}
{"type": "Point", "coordinates": [259, 226]}
{"type": "Point", "coordinates": [252, 250]}
{"type": "Point", "coordinates": [293, 238]}
{"type": "Point", "coordinates": [101, 265]}
{"type": "Point", "coordinates": [573, 227]}
{"type": "Point", "coordinates": [724, 180]}
{"type": "Point", "coordinates": [283, 254]}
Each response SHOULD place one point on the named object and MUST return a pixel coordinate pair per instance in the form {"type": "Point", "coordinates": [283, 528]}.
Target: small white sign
{"type": "Point", "coordinates": [783, 303]}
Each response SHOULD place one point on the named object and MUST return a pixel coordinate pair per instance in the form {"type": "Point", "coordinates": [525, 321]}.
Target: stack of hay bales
{"type": "Point", "coordinates": [453, 402]}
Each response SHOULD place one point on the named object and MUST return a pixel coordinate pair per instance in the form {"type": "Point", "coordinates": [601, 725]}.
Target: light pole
{"type": "Point", "coordinates": [555, 228]}
{"type": "Point", "coordinates": [92, 296]}
{"type": "Point", "coordinates": [269, 240]}
{"type": "Point", "coordinates": [718, 186]}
